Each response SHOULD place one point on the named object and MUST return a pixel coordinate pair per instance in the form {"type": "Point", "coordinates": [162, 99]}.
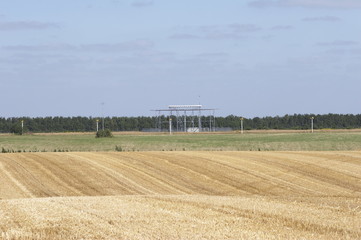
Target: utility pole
{"type": "Point", "coordinates": [97, 125]}
{"type": "Point", "coordinates": [312, 124]}
{"type": "Point", "coordinates": [170, 126]}
{"type": "Point", "coordinates": [185, 121]}
{"type": "Point", "coordinates": [22, 127]}
{"type": "Point", "coordinates": [103, 116]}
{"type": "Point", "coordinates": [241, 125]}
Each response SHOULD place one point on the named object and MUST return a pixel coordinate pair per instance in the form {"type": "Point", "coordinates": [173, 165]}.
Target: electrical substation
{"type": "Point", "coordinates": [185, 118]}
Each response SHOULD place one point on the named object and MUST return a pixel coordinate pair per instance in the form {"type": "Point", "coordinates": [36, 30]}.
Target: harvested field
{"type": "Point", "coordinates": [181, 195]}
{"type": "Point", "coordinates": [33, 175]}
{"type": "Point", "coordinates": [181, 217]}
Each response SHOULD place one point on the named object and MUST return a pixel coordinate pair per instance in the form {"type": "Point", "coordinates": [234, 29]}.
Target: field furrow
{"type": "Point", "coordinates": [209, 173]}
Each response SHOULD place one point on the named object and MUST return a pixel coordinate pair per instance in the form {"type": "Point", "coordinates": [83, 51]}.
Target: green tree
{"type": "Point", "coordinates": [17, 129]}
{"type": "Point", "coordinates": [104, 133]}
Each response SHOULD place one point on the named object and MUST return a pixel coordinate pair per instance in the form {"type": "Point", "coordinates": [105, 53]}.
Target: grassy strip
{"type": "Point", "coordinates": [327, 141]}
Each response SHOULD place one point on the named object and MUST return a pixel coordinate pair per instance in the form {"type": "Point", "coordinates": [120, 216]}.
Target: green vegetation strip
{"type": "Point", "coordinates": [344, 141]}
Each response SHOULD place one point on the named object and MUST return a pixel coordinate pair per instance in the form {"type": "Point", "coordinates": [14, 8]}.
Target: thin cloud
{"type": "Point", "coordinates": [343, 52]}
{"type": "Point", "coordinates": [142, 3]}
{"type": "Point", "coordinates": [242, 28]}
{"type": "Point", "coordinates": [321, 19]}
{"type": "Point", "coordinates": [138, 45]}
{"type": "Point", "coordinates": [31, 48]}
{"type": "Point", "coordinates": [220, 36]}
{"type": "Point", "coordinates": [26, 25]}
{"type": "Point", "coordinates": [262, 3]}
{"type": "Point", "coordinates": [44, 58]}
{"type": "Point", "coordinates": [231, 31]}
{"type": "Point", "coordinates": [281, 27]}
{"type": "Point", "coordinates": [356, 52]}
{"type": "Point", "coordinates": [183, 36]}
{"type": "Point", "coordinates": [213, 55]}
{"type": "Point", "coordinates": [216, 32]}
{"type": "Point", "coordinates": [340, 43]}
{"type": "Point", "coordinates": [344, 4]}
{"type": "Point", "coordinates": [231, 28]}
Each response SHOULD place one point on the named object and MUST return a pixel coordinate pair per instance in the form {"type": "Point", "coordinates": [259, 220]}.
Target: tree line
{"type": "Point", "coordinates": [88, 124]}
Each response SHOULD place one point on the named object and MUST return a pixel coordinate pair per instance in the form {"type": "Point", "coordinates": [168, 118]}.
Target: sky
{"type": "Point", "coordinates": [250, 58]}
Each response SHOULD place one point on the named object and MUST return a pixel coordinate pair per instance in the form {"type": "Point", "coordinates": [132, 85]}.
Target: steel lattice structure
{"type": "Point", "coordinates": [188, 118]}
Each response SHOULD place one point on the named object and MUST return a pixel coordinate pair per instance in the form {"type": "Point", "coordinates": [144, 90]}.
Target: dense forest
{"type": "Point", "coordinates": [88, 124]}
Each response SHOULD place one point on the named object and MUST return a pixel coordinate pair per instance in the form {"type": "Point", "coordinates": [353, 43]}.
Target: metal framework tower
{"type": "Point", "coordinates": [188, 118]}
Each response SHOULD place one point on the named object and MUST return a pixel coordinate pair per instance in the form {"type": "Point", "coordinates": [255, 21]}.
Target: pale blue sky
{"type": "Point", "coordinates": [249, 57]}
